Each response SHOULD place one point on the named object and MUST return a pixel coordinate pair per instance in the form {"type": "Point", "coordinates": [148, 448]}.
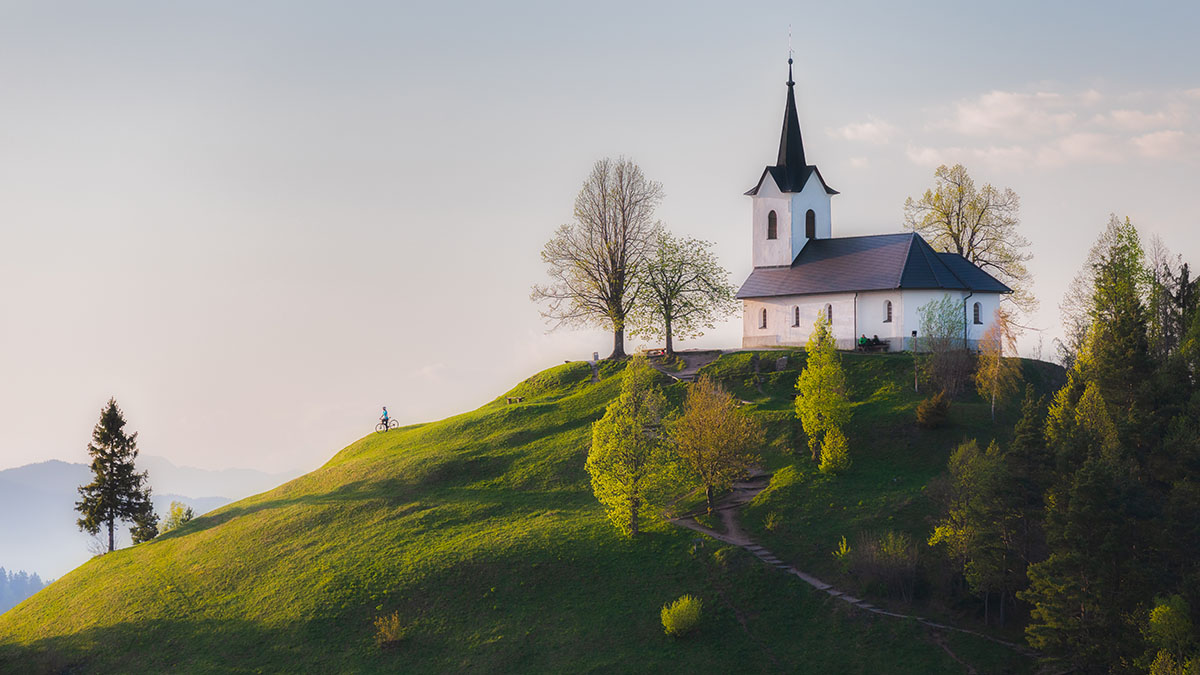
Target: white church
{"type": "Point", "coordinates": [866, 285]}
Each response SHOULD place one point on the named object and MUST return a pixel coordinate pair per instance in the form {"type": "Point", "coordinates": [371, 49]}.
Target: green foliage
{"type": "Point", "coordinates": [627, 462]}
{"type": "Point", "coordinates": [821, 403]}
{"type": "Point", "coordinates": [117, 491]}
{"type": "Point", "coordinates": [685, 290]}
{"type": "Point", "coordinates": [1170, 627]}
{"type": "Point", "coordinates": [389, 631]}
{"type": "Point", "coordinates": [178, 514]}
{"type": "Point", "coordinates": [713, 438]}
{"type": "Point", "coordinates": [1085, 593]}
{"type": "Point", "coordinates": [835, 452]}
{"type": "Point", "coordinates": [682, 616]}
{"type": "Point", "coordinates": [933, 411]}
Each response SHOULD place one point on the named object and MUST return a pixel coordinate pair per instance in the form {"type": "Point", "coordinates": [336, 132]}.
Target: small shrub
{"type": "Point", "coordinates": [682, 616]}
{"type": "Point", "coordinates": [771, 522]}
{"type": "Point", "coordinates": [835, 453]}
{"type": "Point", "coordinates": [889, 560]}
{"type": "Point", "coordinates": [932, 412]}
{"type": "Point", "coordinates": [388, 631]}
{"type": "Point", "coordinates": [842, 554]}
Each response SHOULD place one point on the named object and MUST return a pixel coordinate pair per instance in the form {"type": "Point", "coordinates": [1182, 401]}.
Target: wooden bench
{"type": "Point", "coordinates": [515, 399]}
{"type": "Point", "coordinates": [882, 346]}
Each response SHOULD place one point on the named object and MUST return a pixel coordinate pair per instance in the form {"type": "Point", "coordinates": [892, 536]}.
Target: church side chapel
{"type": "Point", "coordinates": [865, 285]}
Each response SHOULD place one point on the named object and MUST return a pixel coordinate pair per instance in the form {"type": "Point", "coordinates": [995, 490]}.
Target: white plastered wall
{"type": "Point", "coordinates": [855, 315]}
{"type": "Point", "coordinates": [813, 197]}
{"type": "Point", "coordinates": [771, 252]}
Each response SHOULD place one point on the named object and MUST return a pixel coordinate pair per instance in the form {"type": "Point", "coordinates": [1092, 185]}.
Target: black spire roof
{"type": "Point", "coordinates": [791, 170]}
{"type": "Point", "coordinates": [791, 146]}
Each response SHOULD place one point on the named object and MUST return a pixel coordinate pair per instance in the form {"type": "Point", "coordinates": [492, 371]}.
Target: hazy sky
{"type": "Point", "coordinates": [253, 223]}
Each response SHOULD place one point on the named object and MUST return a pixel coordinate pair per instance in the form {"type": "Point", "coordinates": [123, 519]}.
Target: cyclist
{"type": "Point", "coordinates": [384, 418]}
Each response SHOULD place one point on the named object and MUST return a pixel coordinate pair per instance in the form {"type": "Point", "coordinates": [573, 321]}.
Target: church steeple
{"type": "Point", "coordinates": [791, 147]}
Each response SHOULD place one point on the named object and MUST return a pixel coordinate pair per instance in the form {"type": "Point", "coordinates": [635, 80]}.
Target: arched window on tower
{"type": "Point", "coordinates": [978, 314]}
{"type": "Point", "coordinates": [829, 314]}
{"type": "Point", "coordinates": [762, 320]}
{"type": "Point", "coordinates": [772, 226]}
{"type": "Point", "coordinates": [887, 311]}
{"type": "Point", "coordinates": [795, 317]}
{"type": "Point", "coordinates": [810, 224]}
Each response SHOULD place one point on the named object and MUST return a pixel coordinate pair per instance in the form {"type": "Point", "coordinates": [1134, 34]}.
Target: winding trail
{"type": "Point", "coordinates": [742, 494]}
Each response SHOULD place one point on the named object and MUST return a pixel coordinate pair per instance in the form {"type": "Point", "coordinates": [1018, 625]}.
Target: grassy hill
{"type": "Point", "coordinates": [481, 532]}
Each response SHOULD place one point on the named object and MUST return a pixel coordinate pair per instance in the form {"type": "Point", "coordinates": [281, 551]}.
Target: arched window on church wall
{"type": "Point", "coordinates": [810, 224]}
{"type": "Point", "coordinates": [762, 321]}
{"type": "Point", "coordinates": [887, 311]}
{"type": "Point", "coordinates": [795, 317]}
{"type": "Point", "coordinates": [978, 314]}
{"type": "Point", "coordinates": [829, 315]}
{"type": "Point", "coordinates": [772, 226]}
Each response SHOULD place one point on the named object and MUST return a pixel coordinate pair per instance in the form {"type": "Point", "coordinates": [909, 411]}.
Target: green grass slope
{"type": "Point", "coordinates": [481, 532]}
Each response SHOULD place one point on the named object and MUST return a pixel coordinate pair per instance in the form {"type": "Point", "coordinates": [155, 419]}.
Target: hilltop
{"type": "Point", "coordinates": [481, 532]}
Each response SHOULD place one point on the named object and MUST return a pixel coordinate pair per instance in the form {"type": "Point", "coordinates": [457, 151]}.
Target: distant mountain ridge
{"type": "Point", "coordinates": [37, 506]}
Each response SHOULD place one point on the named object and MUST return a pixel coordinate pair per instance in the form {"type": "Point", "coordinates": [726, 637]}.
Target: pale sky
{"type": "Point", "coordinates": [255, 223]}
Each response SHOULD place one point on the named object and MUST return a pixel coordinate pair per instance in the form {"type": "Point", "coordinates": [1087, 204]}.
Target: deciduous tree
{"type": "Point", "coordinates": [684, 290]}
{"type": "Point", "coordinates": [715, 440]}
{"type": "Point", "coordinates": [117, 491]}
{"type": "Point", "coordinates": [942, 344]}
{"type": "Point", "coordinates": [980, 224]}
{"type": "Point", "coordinates": [996, 375]}
{"type": "Point", "coordinates": [628, 462]}
{"type": "Point", "coordinates": [178, 514]}
{"type": "Point", "coordinates": [595, 264]}
{"type": "Point", "coordinates": [821, 402]}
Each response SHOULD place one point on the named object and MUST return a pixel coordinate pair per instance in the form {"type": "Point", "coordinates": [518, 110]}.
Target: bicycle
{"type": "Point", "coordinates": [384, 426]}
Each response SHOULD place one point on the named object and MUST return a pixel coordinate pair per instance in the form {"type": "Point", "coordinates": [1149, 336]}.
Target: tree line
{"type": "Point", "coordinates": [16, 586]}
{"type": "Point", "coordinates": [1088, 520]}
{"type": "Point", "coordinates": [616, 267]}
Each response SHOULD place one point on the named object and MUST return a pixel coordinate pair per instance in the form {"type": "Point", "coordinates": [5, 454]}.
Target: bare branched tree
{"type": "Point", "coordinates": [595, 262]}
{"type": "Point", "coordinates": [980, 224]}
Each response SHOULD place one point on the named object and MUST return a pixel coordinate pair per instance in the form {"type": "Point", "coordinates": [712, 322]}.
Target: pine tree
{"type": "Point", "coordinates": [627, 461]}
{"type": "Point", "coordinates": [821, 404]}
{"type": "Point", "coordinates": [117, 492]}
{"type": "Point", "coordinates": [1086, 594]}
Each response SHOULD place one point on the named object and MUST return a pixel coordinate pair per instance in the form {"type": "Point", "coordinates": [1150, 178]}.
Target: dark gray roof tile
{"type": "Point", "coordinates": [868, 263]}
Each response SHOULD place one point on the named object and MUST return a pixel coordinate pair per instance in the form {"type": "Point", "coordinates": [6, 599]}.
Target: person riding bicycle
{"type": "Point", "coordinates": [384, 418]}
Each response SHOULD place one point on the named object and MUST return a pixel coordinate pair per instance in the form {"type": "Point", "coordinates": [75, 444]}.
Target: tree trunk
{"type": "Point", "coordinates": [670, 347]}
{"type": "Point", "coordinates": [993, 406]}
{"type": "Point", "coordinates": [110, 535]}
{"type": "Point", "coordinates": [633, 517]}
{"type": "Point", "coordinates": [618, 343]}
{"type": "Point", "coordinates": [708, 491]}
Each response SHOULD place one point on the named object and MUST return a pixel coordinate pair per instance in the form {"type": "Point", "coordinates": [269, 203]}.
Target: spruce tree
{"type": "Point", "coordinates": [117, 492]}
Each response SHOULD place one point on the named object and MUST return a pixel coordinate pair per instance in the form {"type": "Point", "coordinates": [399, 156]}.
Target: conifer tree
{"type": "Point", "coordinates": [713, 438]}
{"type": "Point", "coordinates": [627, 462]}
{"type": "Point", "coordinates": [821, 404]}
{"type": "Point", "coordinates": [117, 492]}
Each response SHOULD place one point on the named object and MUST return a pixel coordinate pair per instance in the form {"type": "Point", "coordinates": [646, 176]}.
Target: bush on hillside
{"type": "Point", "coordinates": [932, 412]}
{"type": "Point", "coordinates": [835, 452]}
{"type": "Point", "coordinates": [388, 631]}
{"type": "Point", "coordinates": [682, 616]}
{"type": "Point", "coordinates": [888, 560]}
